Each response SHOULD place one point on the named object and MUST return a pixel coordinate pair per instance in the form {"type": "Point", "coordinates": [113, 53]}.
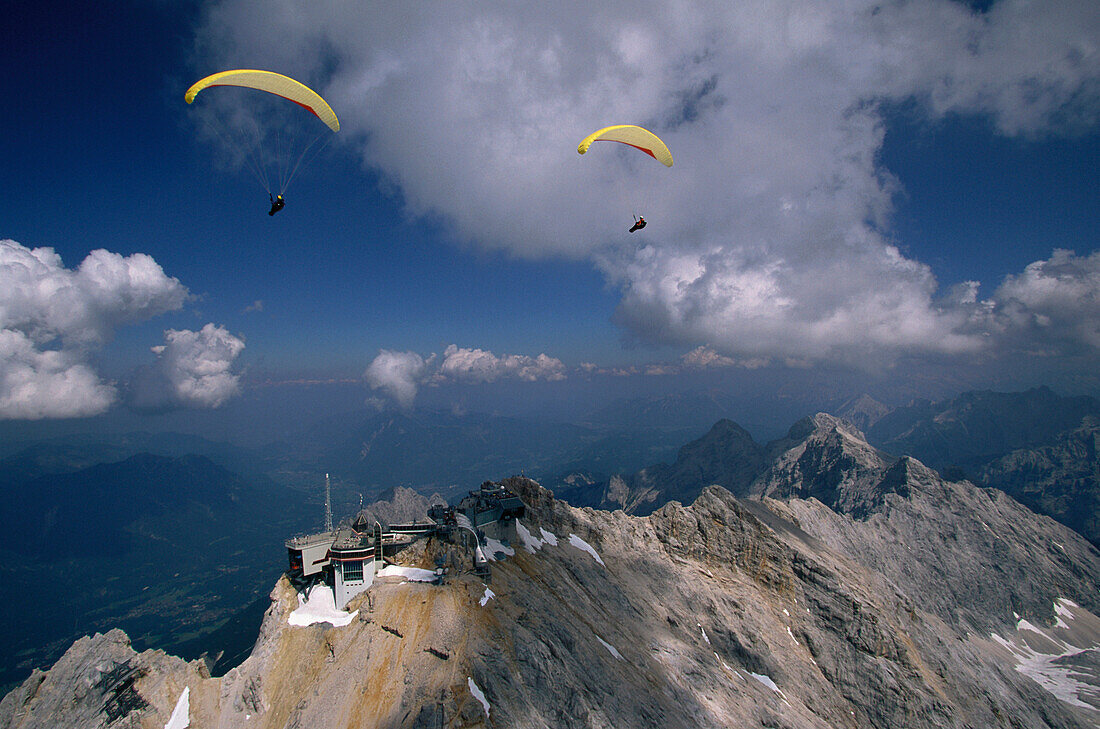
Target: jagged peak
{"type": "Point", "coordinates": [827, 458]}
{"type": "Point", "coordinates": [825, 430]}
{"type": "Point", "coordinates": [723, 433]}
{"type": "Point", "coordinates": [823, 423]}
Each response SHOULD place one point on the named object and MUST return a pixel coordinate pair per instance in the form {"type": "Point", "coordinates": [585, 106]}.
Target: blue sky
{"type": "Point", "coordinates": [841, 175]}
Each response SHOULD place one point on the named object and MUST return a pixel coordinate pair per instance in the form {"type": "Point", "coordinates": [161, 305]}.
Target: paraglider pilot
{"type": "Point", "coordinates": [638, 224]}
{"type": "Point", "coordinates": [278, 203]}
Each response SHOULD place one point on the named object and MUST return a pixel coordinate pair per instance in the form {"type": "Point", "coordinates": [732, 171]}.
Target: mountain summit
{"type": "Point", "coordinates": [943, 605]}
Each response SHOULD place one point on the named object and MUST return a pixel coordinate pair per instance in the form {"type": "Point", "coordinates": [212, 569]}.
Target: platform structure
{"type": "Point", "coordinates": [348, 557]}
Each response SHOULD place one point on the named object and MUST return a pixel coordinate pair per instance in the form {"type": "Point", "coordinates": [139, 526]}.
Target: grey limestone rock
{"type": "Point", "coordinates": [873, 593]}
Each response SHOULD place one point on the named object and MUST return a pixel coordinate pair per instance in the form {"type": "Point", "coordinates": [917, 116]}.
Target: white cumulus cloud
{"type": "Point", "coordinates": [1054, 305]}
{"type": "Point", "coordinates": [46, 383]}
{"type": "Point", "coordinates": [400, 374]}
{"type": "Point", "coordinates": [52, 318]}
{"type": "Point", "coordinates": [192, 370]}
{"type": "Point", "coordinates": [769, 237]}
{"type": "Point", "coordinates": [478, 365]}
{"type": "Point", "coordinates": [704, 357]}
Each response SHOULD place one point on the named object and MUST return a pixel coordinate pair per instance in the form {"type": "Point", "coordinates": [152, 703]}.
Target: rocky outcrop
{"type": "Point", "coordinates": [724, 613]}
{"type": "Point", "coordinates": [99, 682]}
{"type": "Point", "coordinates": [403, 505]}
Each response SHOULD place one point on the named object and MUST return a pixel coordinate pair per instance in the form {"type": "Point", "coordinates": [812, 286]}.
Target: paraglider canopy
{"type": "Point", "coordinates": [275, 140]}
{"type": "Point", "coordinates": [632, 135]}
{"type": "Point", "coordinates": [274, 83]}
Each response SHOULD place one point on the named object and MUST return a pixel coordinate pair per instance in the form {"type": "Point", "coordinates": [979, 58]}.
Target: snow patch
{"type": "Point", "coordinates": [1062, 610]}
{"type": "Point", "coordinates": [610, 648]}
{"type": "Point", "coordinates": [766, 680]}
{"type": "Point", "coordinates": [704, 633]}
{"type": "Point", "coordinates": [530, 542]}
{"type": "Point", "coordinates": [1023, 624]}
{"type": "Point", "coordinates": [412, 574]}
{"type": "Point", "coordinates": [478, 694]}
{"type": "Point", "coordinates": [584, 546]}
{"type": "Point", "coordinates": [179, 718]}
{"type": "Point", "coordinates": [493, 547]}
{"type": "Point", "coordinates": [320, 607]}
{"type": "Point", "coordinates": [792, 635]}
{"type": "Point", "coordinates": [489, 595]}
{"type": "Point", "coordinates": [727, 666]}
{"type": "Point", "coordinates": [1050, 661]}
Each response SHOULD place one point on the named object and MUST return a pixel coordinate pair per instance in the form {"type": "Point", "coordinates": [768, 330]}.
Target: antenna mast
{"type": "Point", "coordinates": [328, 506]}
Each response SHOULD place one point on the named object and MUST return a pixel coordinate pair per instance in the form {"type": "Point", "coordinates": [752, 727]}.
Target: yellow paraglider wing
{"type": "Point", "coordinates": [273, 83]}
{"type": "Point", "coordinates": [635, 136]}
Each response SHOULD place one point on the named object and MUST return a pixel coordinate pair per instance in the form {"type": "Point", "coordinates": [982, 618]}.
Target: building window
{"type": "Point", "coordinates": [352, 571]}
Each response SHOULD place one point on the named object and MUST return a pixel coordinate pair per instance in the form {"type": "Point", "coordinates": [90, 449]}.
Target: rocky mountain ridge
{"type": "Point", "coordinates": [913, 601]}
{"type": "Point", "coordinates": [1036, 446]}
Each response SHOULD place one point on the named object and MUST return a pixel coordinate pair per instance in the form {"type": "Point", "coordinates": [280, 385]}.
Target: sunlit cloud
{"type": "Point", "coordinates": [1053, 306]}
{"type": "Point", "coordinates": [192, 370]}
{"type": "Point", "coordinates": [478, 365]}
{"type": "Point", "coordinates": [53, 318]}
{"type": "Point", "coordinates": [401, 374]}
{"type": "Point", "coordinates": [769, 237]}
{"type": "Point", "coordinates": [397, 374]}
{"type": "Point", "coordinates": [47, 383]}
{"type": "Point", "coordinates": [704, 357]}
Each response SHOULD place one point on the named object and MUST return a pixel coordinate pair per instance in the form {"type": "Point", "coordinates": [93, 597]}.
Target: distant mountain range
{"type": "Point", "coordinates": [727, 456]}
{"type": "Point", "coordinates": [449, 453]}
{"type": "Point", "coordinates": [974, 428]}
{"type": "Point", "coordinates": [177, 538]}
{"type": "Point", "coordinates": [1036, 446]}
{"type": "Point", "coordinates": [855, 589]}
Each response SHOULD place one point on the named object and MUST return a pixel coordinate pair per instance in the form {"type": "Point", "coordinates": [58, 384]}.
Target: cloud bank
{"type": "Point", "coordinates": [52, 318]}
{"type": "Point", "coordinates": [401, 374]}
{"type": "Point", "coordinates": [769, 238]}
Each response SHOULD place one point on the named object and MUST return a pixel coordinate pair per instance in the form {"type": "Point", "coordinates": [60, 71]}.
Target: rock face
{"type": "Point", "coordinates": [1061, 479]}
{"type": "Point", "coordinates": [1037, 446]}
{"type": "Point", "coordinates": [403, 505]}
{"type": "Point", "coordinates": [863, 411]}
{"type": "Point", "coordinates": [827, 459]}
{"type": "Point", "coordinates": [931, 604]}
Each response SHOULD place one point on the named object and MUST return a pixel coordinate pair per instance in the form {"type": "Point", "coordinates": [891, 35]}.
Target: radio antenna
{"type": "Point", "coordinates": [328, 506]}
